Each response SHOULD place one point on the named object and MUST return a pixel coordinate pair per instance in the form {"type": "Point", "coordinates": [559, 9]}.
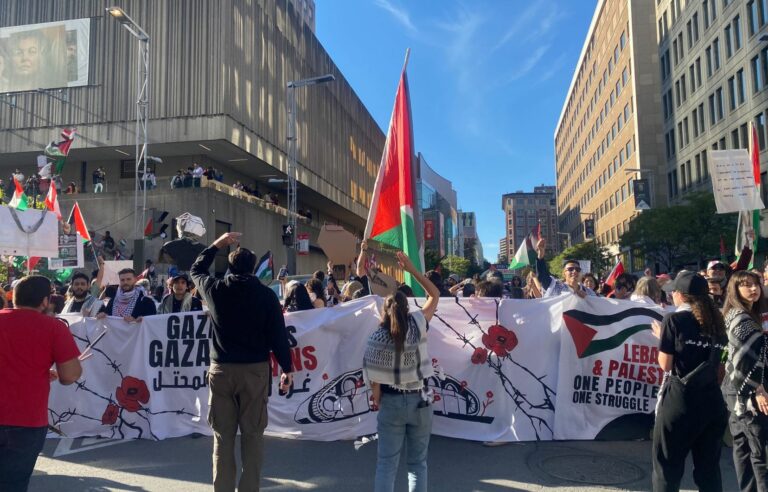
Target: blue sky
{"type": "Point", "coordinates": [487, 79]}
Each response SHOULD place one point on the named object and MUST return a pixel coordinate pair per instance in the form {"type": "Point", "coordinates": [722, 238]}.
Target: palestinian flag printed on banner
{"type": "Point", "coordinates": [391, 219]}
{"type": "Point", "coordinates": [580, 325]}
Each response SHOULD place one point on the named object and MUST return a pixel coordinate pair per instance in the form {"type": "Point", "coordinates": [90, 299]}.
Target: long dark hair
{"type": "Point", "coordinates": [710, 318]}
{"type": "Point", "coordinates": [733, 299]}
{"type": "Point", "coordinates": [316, 285]}
{"type": "Point", "coordinates": [395, 318]}
{"type": "Point", "coordinates": [297, 298]}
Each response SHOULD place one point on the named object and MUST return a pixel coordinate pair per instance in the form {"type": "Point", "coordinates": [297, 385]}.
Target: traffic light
{"type": "Point", "coordinates": [287, 234]}
{"type": "Point", "coordinates": [155, 226]}
{"type": "Point", "coordinates": [589, 228]}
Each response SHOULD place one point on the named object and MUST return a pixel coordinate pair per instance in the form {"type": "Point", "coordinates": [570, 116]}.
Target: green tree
{"type": "Point", "coordinates": [455, 264]}
{"type": "Point", "coordinates": [431, 259]}
{"type": "Point", "coordinates": [681, 234]}
{"type": "Point", "coordinates": [588, 250]}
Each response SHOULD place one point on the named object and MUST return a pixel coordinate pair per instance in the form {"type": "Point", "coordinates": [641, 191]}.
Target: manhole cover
{"type": "Point", "coordinates": [597, 470]}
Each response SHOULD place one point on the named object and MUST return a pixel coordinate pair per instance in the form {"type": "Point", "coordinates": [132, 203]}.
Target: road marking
{"type": "Point", "coordinates": [282, 483]}
{"type": "Point", "coordinates": [68, 446]}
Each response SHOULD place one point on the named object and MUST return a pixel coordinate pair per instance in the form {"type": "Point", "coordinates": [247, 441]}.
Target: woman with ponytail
{"type": "Point", "coordinates": [396, 366]}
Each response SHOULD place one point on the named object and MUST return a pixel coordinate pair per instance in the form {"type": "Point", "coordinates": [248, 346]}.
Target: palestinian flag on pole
{"type": "Point", "coordinates": [52, 200]}
{"type": "Point", "coordinates": [391, 218]}
{"type": "Point", "coordinates": [57, 152]}
{"type": "Point", "coordinates": [526, 253]}
{"type": "Point", "coordinates": [617, 270]}
{"type": "Point", "coordinates": [19, 200]}
{"type": "Point", "coordinates": [265, 270]}
{"type": "Point", "coordinates": [749, 221]}
{"type": "Point", "coordinates": [614, 330]}
{"type": "Point", "coordinates": [76, 218]}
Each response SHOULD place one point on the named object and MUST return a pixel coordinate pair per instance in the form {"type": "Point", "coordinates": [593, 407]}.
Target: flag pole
{"type": "Point", "coordinates": [407, 56]}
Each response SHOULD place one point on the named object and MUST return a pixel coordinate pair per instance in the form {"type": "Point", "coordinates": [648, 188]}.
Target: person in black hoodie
{"type": "Point", "coordinates": [239, 376]}
{"type": "Point", "coordinates": [130, 303]}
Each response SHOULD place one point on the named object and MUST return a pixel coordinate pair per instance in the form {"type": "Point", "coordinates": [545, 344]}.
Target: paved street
{"type": "Point", "coordinates": [183, 464]}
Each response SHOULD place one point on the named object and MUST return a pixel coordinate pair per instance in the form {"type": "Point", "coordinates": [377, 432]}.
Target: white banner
{"type": "Point", "coordinates": [507, 367]}
{"type": "Point", "coordinates": [733, 181]}
{"type": "Point", "coordinates": [29, 232]}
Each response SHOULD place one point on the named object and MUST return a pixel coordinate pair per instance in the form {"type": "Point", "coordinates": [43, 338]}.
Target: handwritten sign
{"type": "Point", "coordinates": [733, 181]}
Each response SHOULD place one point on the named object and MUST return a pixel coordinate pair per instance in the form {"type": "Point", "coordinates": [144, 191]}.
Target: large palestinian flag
{"type": "Point", "coordinates": [391, 217]}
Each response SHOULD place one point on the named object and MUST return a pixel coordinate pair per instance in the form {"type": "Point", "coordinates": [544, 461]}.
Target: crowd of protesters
{"type": "Point", "coordinates": [716, 311]}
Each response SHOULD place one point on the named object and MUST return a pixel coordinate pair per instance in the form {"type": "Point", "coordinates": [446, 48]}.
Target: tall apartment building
{"type": "Point", "coordinates": [523, 211]}
{"type": "Point", "coordinates": [503, 249]}
{"type": "Point", "coordinates": [714, 75]}
{"type": "Point", "coordinates": [473, 247]}
{"type": "Point", "coordinates": [611, 123]}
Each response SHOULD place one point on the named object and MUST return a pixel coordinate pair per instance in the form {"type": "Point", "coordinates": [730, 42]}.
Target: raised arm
{"type": "Point", "coordinates": [199, 271]}
{"type": "Point", "coordinates": [433, 293]}
{"type": "Point", "coordinates": [361, 270]}
{"type": "Point", "coordinates": [542, 269]}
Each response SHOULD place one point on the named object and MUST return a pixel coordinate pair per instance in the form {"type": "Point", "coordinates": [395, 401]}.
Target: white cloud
{"type": "Point", "coordinates": [400, 14]}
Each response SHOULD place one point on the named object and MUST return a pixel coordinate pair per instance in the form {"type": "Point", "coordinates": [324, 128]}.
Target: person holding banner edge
{"type": "Point", "coordinates": [691, 415]}
{"type": "Point", "coordinates": [240, 376]}
{"type": "Point", "coordinates": [396, 365]}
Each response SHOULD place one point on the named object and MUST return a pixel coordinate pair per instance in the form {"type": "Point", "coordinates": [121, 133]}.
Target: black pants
{"type": "Point", "coordinates": [19, 447]}
{"type": "Point", "coordinates": [750, 451]}
{"type": "Point", "coordinates": [689, 420]}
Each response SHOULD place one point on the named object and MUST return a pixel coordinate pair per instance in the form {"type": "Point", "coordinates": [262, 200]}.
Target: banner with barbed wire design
{"type": "Point", "coordinates": [497, 373]}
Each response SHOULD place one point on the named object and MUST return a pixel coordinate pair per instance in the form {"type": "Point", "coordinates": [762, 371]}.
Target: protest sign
{"type": "Point", "coordinates": [111, 268]}
{"type": "Point", "coordinates": [71, 253]}
{"type": "Point", "coordinates": [505, 371]}
{"type": "Point", "coordinates": [29, 232]}
{"type": "Point", "coordinates": [733, 181]}
{"type": "Point", "coordinates": [339, 245]}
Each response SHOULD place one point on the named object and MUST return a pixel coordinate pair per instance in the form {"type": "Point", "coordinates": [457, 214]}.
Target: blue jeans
{"type": "Point", "coordinates": [19, 447]}
{"type": "Point", "coordinates": [401, 421]}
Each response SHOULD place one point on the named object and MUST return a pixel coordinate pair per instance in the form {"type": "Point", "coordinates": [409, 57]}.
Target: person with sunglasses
{"type": "Point", "coordinates": [551, 286]}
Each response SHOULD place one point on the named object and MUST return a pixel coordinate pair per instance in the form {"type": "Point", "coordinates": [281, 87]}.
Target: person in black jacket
{"type": "Point", "coordinates": [130, 303]}
{"type": "Point", "coordinates": [239, 376]}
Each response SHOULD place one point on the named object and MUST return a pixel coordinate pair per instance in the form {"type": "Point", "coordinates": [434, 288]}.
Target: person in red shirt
{"type": "Point", "coordinates": [30, 344]}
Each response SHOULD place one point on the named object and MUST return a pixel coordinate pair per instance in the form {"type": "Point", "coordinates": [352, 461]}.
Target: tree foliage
{"type": "Point", "coordinates": [588, 250]}
{"type": "Point", "coordinates": [681, 234]}
{"type": "Point", "coordinates": [455, 264]}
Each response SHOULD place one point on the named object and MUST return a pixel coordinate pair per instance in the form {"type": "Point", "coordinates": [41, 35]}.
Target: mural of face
{"type": "Point", "coordinates": [26, 56]}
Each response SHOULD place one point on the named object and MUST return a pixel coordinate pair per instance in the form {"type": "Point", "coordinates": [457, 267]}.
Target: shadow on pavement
{"type": "Point", "coordinates": [45, 482]}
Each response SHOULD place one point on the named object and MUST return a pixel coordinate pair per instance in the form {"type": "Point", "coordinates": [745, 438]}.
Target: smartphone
{"type": "Point", "coordinates": [283, 272]}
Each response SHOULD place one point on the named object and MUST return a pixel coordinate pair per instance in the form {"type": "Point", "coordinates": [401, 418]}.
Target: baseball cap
{"type": "Point", "coordinates": [690, 283]}
{"type": "Point", "coordinates": [714, 263]}
{"type": "Point", "coordinates": [454, 277]}
{"type": "Point", "coordinates": [663, 276]}
{"type": "Point", "coordinates": [178, 276]}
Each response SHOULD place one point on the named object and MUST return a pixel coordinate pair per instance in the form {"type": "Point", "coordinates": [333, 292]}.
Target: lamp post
{"type": "Point", "coordinates": [142, 119]}
{"type": "Point", "coordinates": [292, 158]}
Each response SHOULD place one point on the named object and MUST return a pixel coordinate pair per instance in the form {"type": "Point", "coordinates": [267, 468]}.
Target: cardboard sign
{"type": "Point", "coordinates": [339, 245]}
{"type": "Point", "coordinates": [110, 271]}
{"type": "Point", "coordinates": [382, 284]}
{"type": "Point", "coordinates": [733, 181]}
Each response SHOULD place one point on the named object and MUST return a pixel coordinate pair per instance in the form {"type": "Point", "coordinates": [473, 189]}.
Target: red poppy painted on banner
{"type": "Point", "coordinates": [132, 393]}
{"type": "Point", "coordinates": [500, 340]}
{"type": "Point", "coordinates": [479, 356]}
{"type": "Point", "coordinates": [110, 414]}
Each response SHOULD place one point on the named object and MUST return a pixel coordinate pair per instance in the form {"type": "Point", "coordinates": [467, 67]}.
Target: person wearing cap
{"type": "Point", "coordinates": [180, 300]}
{"type": "Point", "coordinates": [552, 287]}
{"type": "Point", "coordinates": [691, 415]}
{"type": "Point", "coordinates": [744, 385]}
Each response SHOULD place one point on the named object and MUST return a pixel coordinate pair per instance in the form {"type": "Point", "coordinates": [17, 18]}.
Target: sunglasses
{"type": "Point", "coordinates": [573, 269]}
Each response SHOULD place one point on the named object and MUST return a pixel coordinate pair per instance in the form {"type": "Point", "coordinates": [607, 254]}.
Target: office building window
{"type": "Point", "coordinates": [702, 126]}
{"type": "Point", "coordinates": [719, 103]}
{"type": "Point", "coordinates": [705, 13]}
{"type": "Point", "coordinates": [757, 77]}
{"type": "Point", "coordinates": [716, 54]}
{"type": "Point", "coordinates": [760, 128]}
{"type": "Point", "coordinates": [741, 86]}
{"type": "Point", "coordinates": [727, 39]}
{"type": "Point", "coordinates": [753, 17]}
{"type": "Point", "coordinates": [737, 33]}
{"type": "Point", "coordinates": [708, 55]}
{"type": "Point", "coordinates": [732, 93]}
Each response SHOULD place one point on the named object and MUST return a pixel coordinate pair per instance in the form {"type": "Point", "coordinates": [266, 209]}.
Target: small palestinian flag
{"type": "Point", "coordinates": [585, 337]}
{"type": "Point", "coordinates": [76, 218]}
{"type": "Point", "coordinates": [265, 271]}
{"type": "Point", "coordinates": [617, 270]}
{"type": "Point", "coordinates": [526, 253]}
{"type": "Point", "coordinates": [19, 200]}
{"type": "Point", "coordinates": [52, 201]}
{"type": "Point", "coordinates": [57, 152]}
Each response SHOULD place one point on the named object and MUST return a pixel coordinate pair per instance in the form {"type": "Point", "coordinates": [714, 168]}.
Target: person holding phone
{"type": "Point", "coordinates": [396, 366]}
{"type": "Point", "coordinates": [239, 376]}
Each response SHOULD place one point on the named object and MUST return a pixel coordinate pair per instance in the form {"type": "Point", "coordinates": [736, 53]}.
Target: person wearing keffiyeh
{"type": "Point", "coordinates": [744, 386]}
{"type": "Point", "coordinates": [130, 303]}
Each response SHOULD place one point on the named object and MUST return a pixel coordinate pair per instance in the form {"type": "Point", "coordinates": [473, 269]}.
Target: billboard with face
{"type": "Point", "coordinates": [44, 56]}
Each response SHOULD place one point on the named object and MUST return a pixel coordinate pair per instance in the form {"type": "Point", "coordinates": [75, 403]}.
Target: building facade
{"type": "Point", "coordinates": [524, 211]}
{"type": "Point", "coordinates": [439, 211]}
{"type": "Point", "coordinates": [609, 131]}
{"type": "Point", "coordinates": [217, 97]}
{"type": "Point", "coordinates": [503, 250]}
{"type": "Point", "coordinates": [714, 75]}
{"type": "Point", "coordinates": [473, 247]}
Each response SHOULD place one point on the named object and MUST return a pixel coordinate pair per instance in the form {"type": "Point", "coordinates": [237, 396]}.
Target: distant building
{"type": "Point", "coordinates": [503, 250]}
{"type": "Point", "coordinates": [523, 211]}
{"type": "Point", "coordinates": [438, 203]}
{"type": "Point", "coordinates": [473, 247]}
{"type": "Point", "coordinates": [610, 124]}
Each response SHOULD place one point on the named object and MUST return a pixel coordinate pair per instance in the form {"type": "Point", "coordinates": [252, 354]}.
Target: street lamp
{"type": "Point", "coordinates": [142, 119]}
{"type": "Point", "coordinates": [292, 158]}
{"type": "Point", "coordinates": [651, 181]}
